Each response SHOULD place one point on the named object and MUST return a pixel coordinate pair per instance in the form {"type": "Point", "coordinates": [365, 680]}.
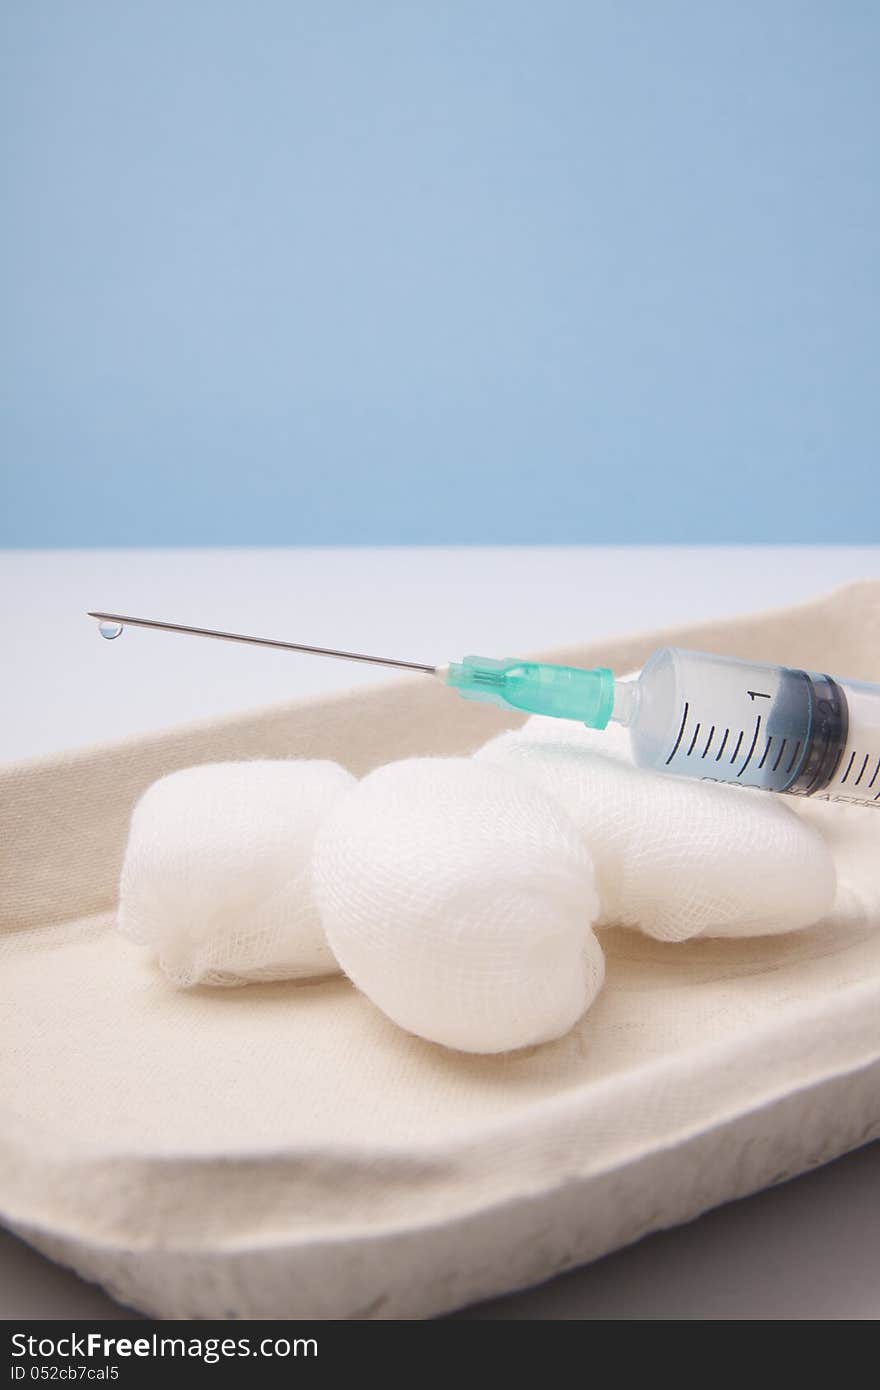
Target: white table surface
{"type": "Point", "coordinates": [809, 1249]}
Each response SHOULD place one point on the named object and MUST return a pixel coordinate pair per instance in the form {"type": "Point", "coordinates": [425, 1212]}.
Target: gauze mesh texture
{"type": "Point", "coordinates": [217, 876]}
{"type": "Point", "coordinates": [674, 858]}
{"type": "Point", "coordinates": [460, 900]}
{"type": "Point", "coordinates": [459, 894]}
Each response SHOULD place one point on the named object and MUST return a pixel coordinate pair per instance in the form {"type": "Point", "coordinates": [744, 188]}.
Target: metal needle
{"type": "Point", "coordinates": [127, 621]}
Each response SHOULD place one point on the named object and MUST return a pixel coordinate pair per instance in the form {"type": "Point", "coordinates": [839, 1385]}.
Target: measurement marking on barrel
{"type": "Point", "coordinates": [779, 755]}
{"type": "Point", "coordinates": [694, 739]}
{"type": "Point", "coordinates": [708, 741]}
{"type": "Point", "coordinates": [797, 749]}
{"type": "Point", "coordinates": [833, 773]}
{"type": "Point", "coordinates": [752, 749]}
{"type": "Point", "coordinates": [852, 758]}
{"type": "Point", "coordinates": [721, 749]}
{"type": "Point", "coordinates": [862, 771]}
{"type": "Point", "coordinates": [876, 770]}
{"type": "Point", "coordinates": [766, 751]}
{"type": "Point", "coordinates": [736, 749]}
{"type": "Point", "coordinates": [684, 720]}
{"type": "Point", "coordinates": [819, 766]}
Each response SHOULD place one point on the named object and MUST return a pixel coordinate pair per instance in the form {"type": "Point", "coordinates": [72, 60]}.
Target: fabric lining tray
{"type": "Point", "coordinates": [284, 1151]}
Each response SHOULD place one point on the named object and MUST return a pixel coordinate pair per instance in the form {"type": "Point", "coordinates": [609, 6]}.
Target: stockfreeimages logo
{"type": "Point", "coordinates": [89, 1345]}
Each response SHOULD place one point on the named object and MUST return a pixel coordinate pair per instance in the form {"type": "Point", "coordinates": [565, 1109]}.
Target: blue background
{"type": "Point", "coordinates": [440, 272]}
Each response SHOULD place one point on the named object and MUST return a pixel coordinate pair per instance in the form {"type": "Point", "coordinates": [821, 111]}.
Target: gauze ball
{"type": "Point", "coordinates": [217, 876]}
{"type": "Point", "coordinates": [674, 858]}
{"type": "Point", "coordinates": [459, 899]}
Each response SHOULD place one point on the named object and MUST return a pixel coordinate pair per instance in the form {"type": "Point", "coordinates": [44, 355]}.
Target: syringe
{"type": "Point", "coordinates": [690, 714]}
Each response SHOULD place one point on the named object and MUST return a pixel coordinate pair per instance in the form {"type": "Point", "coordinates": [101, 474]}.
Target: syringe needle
{"type": "Point", "coordinates": [112, 624]}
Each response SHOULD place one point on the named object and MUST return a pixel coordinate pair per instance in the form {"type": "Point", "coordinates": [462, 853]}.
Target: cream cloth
{"type": "Point", "coordinates": [283, 1150]}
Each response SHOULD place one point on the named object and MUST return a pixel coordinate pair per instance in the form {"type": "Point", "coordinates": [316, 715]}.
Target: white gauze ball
{"type": "Point", "coordinates": [217, 875]}
{"type": "Point", "coordinates": [459, 899]}
{"type": "Point", "coordinates": [672, 857]}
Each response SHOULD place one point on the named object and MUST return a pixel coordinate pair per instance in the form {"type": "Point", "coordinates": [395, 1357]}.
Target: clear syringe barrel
{"type": "Point", "coordinates": [697, 715]}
